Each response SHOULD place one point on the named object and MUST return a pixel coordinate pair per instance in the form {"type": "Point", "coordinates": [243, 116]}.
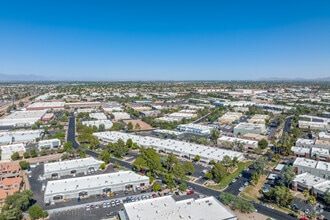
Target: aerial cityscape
{"type": "Point", "coordinates": [161, 110]}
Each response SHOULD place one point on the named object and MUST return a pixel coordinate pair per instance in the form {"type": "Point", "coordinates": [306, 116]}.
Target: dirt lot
{"type": "Point", "coordinates": [143, 125]}
{"type": "Point", "coordinates": [254, 215]}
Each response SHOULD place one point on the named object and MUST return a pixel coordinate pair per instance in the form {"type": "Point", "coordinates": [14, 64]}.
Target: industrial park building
{"type": "Point", "coordinates": [10, 137]}
{"type": "Point", "coordinates": [60, 190]}
{"type": "Point", "coordinates": [195, 129]}
{"type": "Point", "coordinates": [22, 118]}
{"type": "Point", "coordinates": [107, 123]}
{"type": "Point", "coordinates": [49, 144]}
{"type": "Point", "coordinates": [244, 128]}
{"type": "Point", "coordinates": [231, 140]}
{"type": "Point", "coordinates": [179, 148]}
{"type": "Point", "coordinates": [46, 106]}
{"type": "Point", "coordinates": [316, 168]}
{"type": "Point", "coordinates": [71, 167]}
{"type": "Point", "coordinates": [8, 150]}
{"type": "Point", "coordinates": [166, 207]}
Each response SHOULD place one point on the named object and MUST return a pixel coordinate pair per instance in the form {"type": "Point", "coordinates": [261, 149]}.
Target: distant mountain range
{"type": "Point", "coordinates": [325, 79]}
{"type": "Point", "coordinates": [36, 78]}
{"type": "Point", "coordinates": [21, 78]}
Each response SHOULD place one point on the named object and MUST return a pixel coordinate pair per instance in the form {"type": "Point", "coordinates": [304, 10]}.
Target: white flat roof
{"type": "Point", "coordinates": [300, 161]}
{"type": "Point", "coordinates": [308, 179]}
{"type": "Point", "coordinates": [99, 116]}
{"type": "Point", "coordinates": [323, 186]}
{"type": "Point", "coordinates": [47, 105]}
{"type": "Point", "coordinates": [249, 126]}
{"type": "Point", "coordinates": [233, 139]}
{"type": "Point", "coordinates": [8, 150]}
{"type": "Point", "coordinates": [210, 153]}
{"type": "Point", "coordinates": [320, 151]}
{"type": "Point", "coordinates": [305, 141]}
{"type": "Point", "coordinates": [164, 208]}
{"type": "Point", "coordinates": [107, 123]}
{"type": "Point", "coordinates": [70, 164]}
{"type": "Point", "coordinates": [94, 181]}
{"type": "Point", "coordinates": [300, 150]}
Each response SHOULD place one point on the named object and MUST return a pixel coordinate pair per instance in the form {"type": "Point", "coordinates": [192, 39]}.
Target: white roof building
{"type": "Point", "coordinates": [195, 129]}
{"type": "Point", "coordinates": [243, 128]}
{"type": "Point", "coordinates": [300, 151]}
{"type": "Point", "coordinates": [107, 123]}
{"type": "Point", "coordinates": [59, 190]}
{"type": "Point", "coordinates": [316, 168]}
{"type": "Point", "coordinates": [8, 150]}
{"type": "Point", "coordinates": [164, 208]}
{"type": "Point", "coordinates": [121, 116]}
{"type": "Point", "coordinates": [22, 118]}
{"type": "Point", "coordinates": [307, 143]}
{"type": "Point", "coordinates": [258, 119]}
{"type": "Point", "coordinates": [179, 148]}
{"type": "Point", "coordinates": [45, 106]}
{"type": "Point", "coordinates": [49, 144]}
{"type": "Point", "coordinates": [98, 116]}
{"type": "Point", "coordinates": [246, 143]}
{"type": "Point", "coordinates": [71, 167]}
{"type": "Point", "coordinates": [20, 136]}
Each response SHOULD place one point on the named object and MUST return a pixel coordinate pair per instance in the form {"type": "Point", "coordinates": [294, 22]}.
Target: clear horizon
{"type": "Point", "coordinates": [165, 40]}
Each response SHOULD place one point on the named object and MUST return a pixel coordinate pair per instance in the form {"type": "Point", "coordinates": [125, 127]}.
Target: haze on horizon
{"type": "Point", "coordinates": [165, 40]}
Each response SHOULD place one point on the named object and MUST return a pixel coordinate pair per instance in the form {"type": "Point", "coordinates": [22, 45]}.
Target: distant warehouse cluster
{"type": "Point", "coordinates": [180, 148]}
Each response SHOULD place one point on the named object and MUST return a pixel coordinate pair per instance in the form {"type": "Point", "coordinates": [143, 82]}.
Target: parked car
{"type": "Point", "coordinates": [190, 192]}
{"type": "Point", "coordinates": [88, 208]}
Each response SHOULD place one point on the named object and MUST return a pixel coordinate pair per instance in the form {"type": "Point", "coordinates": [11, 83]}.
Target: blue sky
{"type": "Point", "coordinates": [165, 40]}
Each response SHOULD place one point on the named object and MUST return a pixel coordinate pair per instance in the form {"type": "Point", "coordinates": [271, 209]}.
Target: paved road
{"type": "Point", "coordinates": [72, 132]}
{"type": "Point", "coordinates": [287, 125]}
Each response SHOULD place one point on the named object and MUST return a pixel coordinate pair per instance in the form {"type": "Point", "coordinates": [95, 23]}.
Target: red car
{"type": "Point", "coordinates": [190, 192]}
{"type": "Point", "coordinates": [154, 195]}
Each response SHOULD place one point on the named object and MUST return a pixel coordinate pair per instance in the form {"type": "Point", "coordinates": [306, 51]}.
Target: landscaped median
{"type": "Point", "coordinates": [228, 178]}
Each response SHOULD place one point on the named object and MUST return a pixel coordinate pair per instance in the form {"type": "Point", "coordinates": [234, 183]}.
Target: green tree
{"type": "Point", "coordinates": [255, 178]}
{"type": "Point", "coordinates": [36, 212]}
{"type": "Point", "coordinates": [139, 163]}
{"type": "Point", "coordinates": [288, 175]}
{"type": "Point", "coordinates": [130, 126]}
{"type": "Point", "coordinates": [102, 166]}
{"type": "Point", "coordinates": [281, 195]}
{"type": "Point", "coordinates": [156, 187]}
{"type": "Point", "coordinates": [116, 165]}
{"type": "Point", "coordinates": [227, 162]}
{"type": "Point", "coordinates": [218, 171]}
{"type": "Point", "coordinates": [106, 157]}
{"type": "Point", "coordinates": [197, 158]}
{"type": "Point", "coordinates": [178, 171]}
{"type": "Point", "coordinates": [262, 144]}
{"type": "Point", "coordinates": [327, 197]}
{"type": "Point", "coordinates": [183, 186]}
{"type": "Point", "coordinates": [15, 156]}
{"type": "Point", "coordinates": [260, 165]}
{"type": "Point", "coordinates": [188, 167]}
{"type": "Point", "coordinates": [43, 152]}
{"type": "Point", "coordinates": [33, 153]}
{"type": "Point", "coordinates": [169, 181]}
{"type": "Point", "coordinates": [129, 143]}
{"type": "Point", "coordinates": [243, 206]}
{"type": "Point", "coordinates": [152, 159]}
{"type": "Point", "coordinates": [171, 160]}
{"type": "Point", "coordinates": [26, 155]}
{"type": "Point", "coordinates": [227, 198]}
{"type": "Point", "coordinates": [214, 135]}
{"type": "Point", "coordinates": [209, 175]}
{"type": "Point", "coordinates": [24, 165]}
{"type": "Point", "coordinates": [101, 127]}
{"type": "Point", "coordinates": [137, 126]}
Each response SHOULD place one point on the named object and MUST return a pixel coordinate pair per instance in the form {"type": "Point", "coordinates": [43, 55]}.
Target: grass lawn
{"type": "Point", "coordinates": [227, 179]}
